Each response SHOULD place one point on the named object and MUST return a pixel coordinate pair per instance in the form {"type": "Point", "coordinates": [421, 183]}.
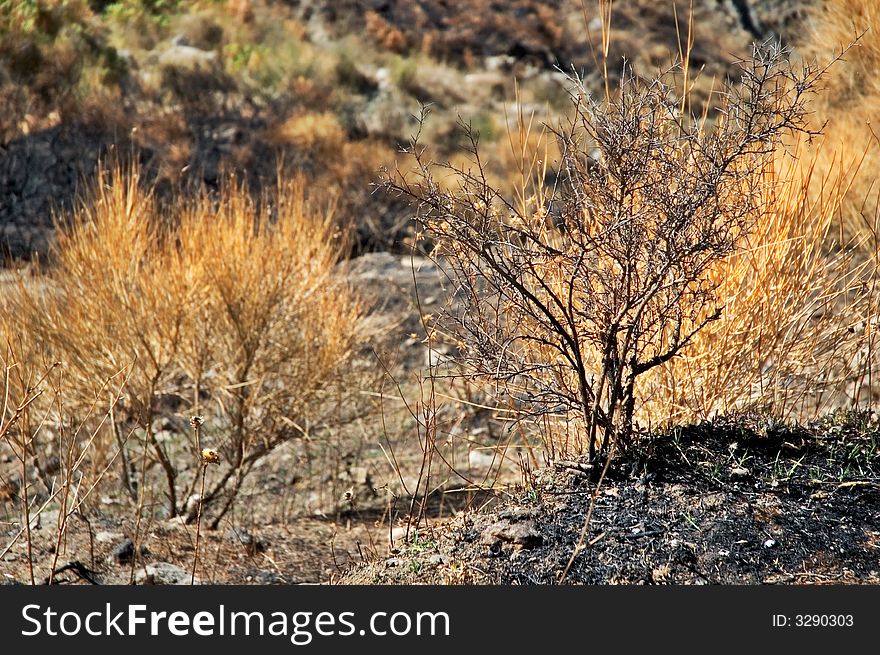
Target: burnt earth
{"type": "Point", "coordinates": [736, 501]}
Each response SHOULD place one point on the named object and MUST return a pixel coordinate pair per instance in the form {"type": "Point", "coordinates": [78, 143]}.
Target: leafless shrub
{"type": "Point", "coordinates": [567, 295]}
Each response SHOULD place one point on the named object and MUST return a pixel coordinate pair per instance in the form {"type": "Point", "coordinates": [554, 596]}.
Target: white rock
{"type": "Point", "coordinates": [188, 58]}
{"type": "Point", "coordinates": [109, 537]}
{"type": "Point", "coordinates": [163, 573]}
{"type": "Point", "coordinates": [481, 459]}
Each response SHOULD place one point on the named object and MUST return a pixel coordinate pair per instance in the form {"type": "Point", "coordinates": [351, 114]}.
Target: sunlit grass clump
{"type": "Point", "coordinates": [796, 336]}
{"type": "Point", "coordinates": [226, 306]}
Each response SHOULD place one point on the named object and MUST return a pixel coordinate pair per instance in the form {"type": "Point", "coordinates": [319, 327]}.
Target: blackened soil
{"type": "Point", "coordinates": [740, 500]}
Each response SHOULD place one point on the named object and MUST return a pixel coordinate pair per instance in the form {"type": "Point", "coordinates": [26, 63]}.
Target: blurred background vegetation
{"type": "Point", "coordinates": [197, 87]}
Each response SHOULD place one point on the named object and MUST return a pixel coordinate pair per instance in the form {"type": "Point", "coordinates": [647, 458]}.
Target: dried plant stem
{"type": "Point", "coordinates": [589, 517]}
{"type": "Point", "coordinates": [125, 463]}
{"type": "Point", "coordinates": [139, 510]}
{"type": "Point", "coordinates": [25, 509]}
{"type": "Point", "coordinates": [15, 411]}
{"type": "Point", "coordinates": [67, 470]}
{"type": "Point", "coordinates": [199, 524]}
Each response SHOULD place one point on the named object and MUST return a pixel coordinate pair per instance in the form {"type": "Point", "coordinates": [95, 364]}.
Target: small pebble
{"type": "Point", "coordinates": [123, 551]}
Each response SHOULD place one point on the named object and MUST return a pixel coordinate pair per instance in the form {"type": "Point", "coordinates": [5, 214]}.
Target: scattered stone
{"type": "Point", "coordinates": [46, 519]}
{"type": "Point", "coordinates": [191, 508]}
{"type": "Point", "coordinates": [107, 537]}
{"type": "Point", "coordinates": [770, 543]}
{"type": "Point", "coordinates": [176, 523]}
{"type": "Point", "coordinates": [262, 577]}
{"type": "Point", "coordinates": [478, 433]}
{"type": "Point", "coordinates": [165, 436]}
{"type": "Point", "coordinates": [163, 573]}
{"type": "Point", "coordinates": [438, 559]}
{"type": "Point", "coordinates": [520, 533]}
{"type": "Point", "coordinates": [239, 536]}
{"type": "Point", "coordinates": [187, 57]}
{"type": "Point", "coordinates": [479, 459]}
{"type": "Point", "coordinates": [123, 552]}
{"type": "Point", "coordinates": [739, 472]}
{"type": "Point", "coordinates": [49, 466]}
{"type": "Point", "coordinates": [392, 562]}
{"type": "Point", "coordinates": [244, 538]}
{"type": "Point", "coordinates": [359, 475]}
{"type": "Point", "coordinates": [399, 535]}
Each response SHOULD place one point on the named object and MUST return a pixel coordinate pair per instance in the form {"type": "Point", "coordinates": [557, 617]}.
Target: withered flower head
{"type": "Point", "coordinates": [210, 456]}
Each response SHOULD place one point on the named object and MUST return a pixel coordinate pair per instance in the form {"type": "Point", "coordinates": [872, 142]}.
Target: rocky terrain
{"type": "Point", "coordinates": [179, 103]}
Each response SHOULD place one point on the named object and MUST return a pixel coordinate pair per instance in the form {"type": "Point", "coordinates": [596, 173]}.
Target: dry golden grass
{"type": "Point", "coordinates": [317, 133]}
{"type": "Point", "coordinates": [849, 105]}
{"type": "Point", "coordinates": [836, 24]}
{"type": "Point", "coordinates": [796, 332]}
{"type": "Point", "coordinates": [226, 307]}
